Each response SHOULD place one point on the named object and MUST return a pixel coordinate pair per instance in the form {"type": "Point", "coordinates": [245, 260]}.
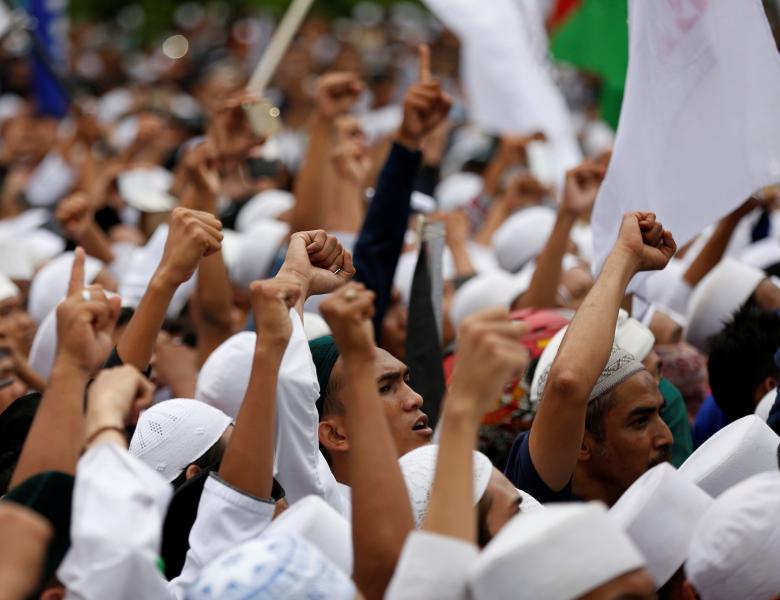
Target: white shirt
{"type": "Point", "coordinates": [432, 567]}
{"type": "Point", "coordinates": [226, 518]}
{"type": "Point", "coordinates": [119, 505]}
{"type": "Point", "coordinates": [301, 469]}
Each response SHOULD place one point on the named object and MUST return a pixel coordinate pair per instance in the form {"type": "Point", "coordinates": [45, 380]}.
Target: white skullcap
{"type": "Point", "coordinates": [314, 326]}
{"type": "Point", "coordinates": [487, 290]}
{"type": "Point", "coordinates": [659, 513]}
{"type": "Point", "coordinates": [419, 467]}
{"type": "Point", "coordinates": [282, 567]}
{"type": "Point", "coordinates": [529, 504]}
{"type": "Point", "coordinates": [256, 250]}
{"type": "Point", "coordinates": [743, 448]}
{"type": "Point", "coordinates": [224, 377]}
{"type": "Point", "coordinates": [620, 366]}
{"type": "Point", "coordinates": [267, 205]}
{"type": "Point", "coordinates": [175, 433]}
{"type": "Point", "coordinates": [11, 106]}
{"type": "Point", "coordinates": [717, 297]}
{"type": "Point", "coordinates": [147, 189]}
{"type": "Point", "coordinates": [762, 254]}
{"type": "Point", "coordinates": [17, 260]}
{"type": "Point", "coordinates": [523, 236]}
{"type": "Point", "coordinates": [141, 266]}
{"type": "Point", "coordinates": [633, 336]}
{"type": "Point", "coordinates": [736, 545]}
{"type": "Point", "coordinates": [423, 203]}
{"type": "Point", "coordinates": [561, 552]}
{"type": "Point", "coordinates": [316, 521]}
{"type": "Point", "coordinates": [113, 105]}
{"type": "Point", "coordinates": [8, 288]}
{"type": "Point", "coordinates": [44, 346]}
{"type": "Point", "coordinates": [457, 190]}
{"type": "Point", "coordinates": [667, 288]}
{"type": "Point", "coordinates": [764, 407]}
{"type": "Point", "coordinates": [50, 284]}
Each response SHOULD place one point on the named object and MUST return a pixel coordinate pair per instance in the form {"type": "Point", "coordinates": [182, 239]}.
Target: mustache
{"type": "Point", "coordinates": [663, 456]}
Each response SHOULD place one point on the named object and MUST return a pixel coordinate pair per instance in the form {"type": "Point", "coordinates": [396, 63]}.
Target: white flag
{"type": "Point", "coordinates": [700, 126]}
{"type": "Point", "coordinates": [508, 88]}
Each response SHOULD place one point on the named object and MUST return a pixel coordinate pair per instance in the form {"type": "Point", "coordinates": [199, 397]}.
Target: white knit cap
{"type": "Point", "coordinates": [620, 366]}
{"type": "Point", "coordinates": [735, 547]}
{"type": "Point", "coordinates": [633, 337]}
{"type": "Point", "coordinates": [256, 250]}
{"type": "Point", "coordinates": [141, 267]}
{"type": "Point", "coordinates": [224, 377]}
{"type": "Point", "coordinates": [487, 290]}
{"type": "Point", "coordinates": [717, 297]}
{"type": "Point", "coordinates": [8, 288]}
{"type": "Point", "coordinates": [314, 326]}
{"type": "Point", "coordinates": [764, 407]}
{"type": "Point", "coordinates": [523, 236]}
{"type": "Point", "coordinates": [279, 567]}
{"type": "Point", "coordinates": [457, 190]}
{"type": "Point", "coordinates": [267, 205]}
{"type": "Point", "coordinates": [659, 513]}
{"type": "Point", "coordinates": [50, 284]}
{"type": "Point", "coordinates": [419, 467]}
{"type": "Point", "coordinates": [746, 447]}
{"type": "Point", "coordinates": [561, 552]}
{"type": "Point", "coordinates": [147, 189]}
{"type": "Point", "coordinates": [762, 254]}
{"type": "Point", "coordinates": [315, 520]}
{"type": "Point", "coordinates": [175, 433]}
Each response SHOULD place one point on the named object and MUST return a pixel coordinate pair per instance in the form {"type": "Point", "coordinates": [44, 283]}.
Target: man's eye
{"type": "Point", "coordinates": [385, 389]}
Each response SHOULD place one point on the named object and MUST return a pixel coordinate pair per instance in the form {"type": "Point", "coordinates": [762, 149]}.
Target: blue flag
{"type": "Point", "coordinates": [51, 42]}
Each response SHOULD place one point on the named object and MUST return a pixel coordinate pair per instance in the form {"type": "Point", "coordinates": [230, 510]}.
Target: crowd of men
{"type": "Point", "coordinates": [363, 356]}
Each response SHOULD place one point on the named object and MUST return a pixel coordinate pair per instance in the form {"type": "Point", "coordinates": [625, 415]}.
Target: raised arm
{"type": "Point", "coordinates": [85, 322]}
{"type": "Point", "coordinates": [248, 464]}
{"type": "Point", "coordinates": [381, 239]}
{"type": "Point", "coordinates": [377, 484]}
{"type": "Point", "coordinates": [582, 185]}
{"type": "Point", "coordinates": [557, 431]}
{"type": "Point", "coordinates": [336, 94]}
{"type": "Point", "coordinates": [77, 216]}
{"type": "Point", "coordinates": [488, 353]}
{"type": "Point", "coordinates": [192, 235]}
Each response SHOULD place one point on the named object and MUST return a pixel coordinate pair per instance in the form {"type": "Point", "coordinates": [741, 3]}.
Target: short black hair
{"type": "Point", "coordinates": [594, 416]}
{"type": "Point", "coordinates": [741, 357]}
{"type": "Point", "coordinates": [210, 460]}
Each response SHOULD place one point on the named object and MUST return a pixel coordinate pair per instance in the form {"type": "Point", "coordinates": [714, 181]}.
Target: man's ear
{"type": "Point", "coordinates": [191, 471]}
{"type": "Point", "coordinates": [56, 592]}
{"type": "Point", "coordinates": [586, 448]}
{"type": "Point", "coordinates": [763, 388]}
{"type": "Point", "coordinates": [333, 434]}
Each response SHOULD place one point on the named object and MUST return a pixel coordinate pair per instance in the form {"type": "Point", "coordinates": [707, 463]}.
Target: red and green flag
{"type": "Point", "coordinates": [592, 35]}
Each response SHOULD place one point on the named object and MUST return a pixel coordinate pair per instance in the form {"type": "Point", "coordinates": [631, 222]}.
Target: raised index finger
{"type": "Point", "coordinates": [425, 63]}
{"type": "Point", "coordinates": [76, 283]}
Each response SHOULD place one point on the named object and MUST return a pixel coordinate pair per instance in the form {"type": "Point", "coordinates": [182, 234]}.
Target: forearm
{"type": "Point", "coordinates": [543, 290]}
{"type": "Point", "coordinates": [347, 211]}
{"type": "Point", "coordinates": [248, 463]}
{"type": "Point", "coordinates": [97, 244]}
{"type": "Point", "coordinates": [137, 343]}
{"type": "Point", "coordinates": [214, 296]}
{"type": "Point", "coordinates": [713, 251]}
{"type": "Point", "coordinates": [57, 432]}
{"type": "Point", "coordinates": [310, 211]}
{"type": "Point", "coordinates": [496, 215]}
{"type": "Point", "coordinates": [451, 510]}
{"type": "Point", "coordinates": [377, 484]}
{"type": "Point", "coordinates": [460, 256]}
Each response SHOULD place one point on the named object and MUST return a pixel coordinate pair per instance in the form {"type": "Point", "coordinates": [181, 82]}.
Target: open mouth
{"type": "Point", "coordinates": [421, 424]}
